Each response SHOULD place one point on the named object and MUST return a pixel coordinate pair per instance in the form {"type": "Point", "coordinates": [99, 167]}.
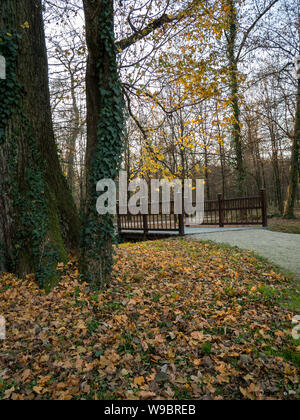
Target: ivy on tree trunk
{"type": "Point", "coordinates": [239, 163]}
{"type": "Point", "coordinates": [38, 218]}
{"type": "Point", "coordinates": [104, 137]}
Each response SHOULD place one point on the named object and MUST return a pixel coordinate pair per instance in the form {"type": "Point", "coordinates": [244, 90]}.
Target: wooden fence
{"type": "Point", "coordinates": [244, 211]}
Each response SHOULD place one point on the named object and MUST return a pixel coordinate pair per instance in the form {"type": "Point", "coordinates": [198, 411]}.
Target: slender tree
{"type": "Point", "coordinates": [235, 50]}
{"type": "Point", "coordinates": [234, 91]}
{"type": "Point", "coordinates": [289, 211]}
{"type": "Point", "coordinates": [294, 168]}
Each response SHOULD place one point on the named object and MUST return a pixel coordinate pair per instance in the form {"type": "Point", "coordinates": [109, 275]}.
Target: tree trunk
{"type": "Point", "coordinates": [38, 217]}
{"type": "Point", "coordinates": [75, 131]}
{"type": "Point", "coordinates": [222, 164]}
{"type": "Point", "coordinates": [277, 185]}
{"type": "Point", "coordinates": [276, 170]}
{"type": "Point", "coordinates": [294, 169]}
{"type": "Point", "coordinates": [104, 137]}
{"type": "Point", "coordinates": [239, 164]}
{"type": "Point", "coordinates": [206, 171]}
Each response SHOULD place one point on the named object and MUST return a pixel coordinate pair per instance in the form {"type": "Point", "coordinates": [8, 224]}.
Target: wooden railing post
{"type": "Point", "coordinates": [181, 224]}
{"type": "Point", "coordinates": [221, 210]}
{"type": "Point", "coordinates": [119, 220]}
{"type": "Point", "coordinates": [264, 208]}
{"type": "Point", "coordinates": [145, 224]}
{"type": "Point", "coordinates": [182, 214]}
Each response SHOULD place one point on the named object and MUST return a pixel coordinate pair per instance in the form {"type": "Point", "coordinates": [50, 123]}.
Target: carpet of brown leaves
{"type": "Point", "coordinates": [181, 320]}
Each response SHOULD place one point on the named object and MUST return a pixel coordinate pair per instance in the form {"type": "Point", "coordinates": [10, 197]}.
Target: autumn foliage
{"type": "Point", "coordinates": [181, 320]}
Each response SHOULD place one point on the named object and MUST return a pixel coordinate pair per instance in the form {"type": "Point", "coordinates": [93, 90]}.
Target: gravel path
{"type": "Point", "coordinates": [281, 248]}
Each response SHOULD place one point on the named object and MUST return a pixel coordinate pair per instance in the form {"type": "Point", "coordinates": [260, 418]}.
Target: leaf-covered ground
{"type": "Point", "coordinates": [181, 320]}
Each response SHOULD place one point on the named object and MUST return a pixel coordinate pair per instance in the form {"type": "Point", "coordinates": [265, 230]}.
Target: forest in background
{"type": "Point", "coordinates": [213, 96]}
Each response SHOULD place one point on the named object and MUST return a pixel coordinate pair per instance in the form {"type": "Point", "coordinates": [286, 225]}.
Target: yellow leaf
{"type": "Point", "coordinates": [197, 335]}
{"type": "Point", "coordinates": [37, 389]}
{"type": "Point", "coordinates": [139, 380]}
{"type": "Point", "coordinates": [81, 325]}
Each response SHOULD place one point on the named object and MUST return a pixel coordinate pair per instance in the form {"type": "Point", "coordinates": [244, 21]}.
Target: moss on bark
{"type": "Point", "coordinates": [39, 223]}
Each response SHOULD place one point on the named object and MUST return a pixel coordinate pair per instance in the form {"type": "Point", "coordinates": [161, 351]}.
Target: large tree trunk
{"type": "Point", "coordinates": [239, 164]}
{"type": "Point", "coordinates": [37, 214]}
{"type": "Point", "coordinates": [104, 137]}
{"type": "Point", "coordinates": [294, 169]}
